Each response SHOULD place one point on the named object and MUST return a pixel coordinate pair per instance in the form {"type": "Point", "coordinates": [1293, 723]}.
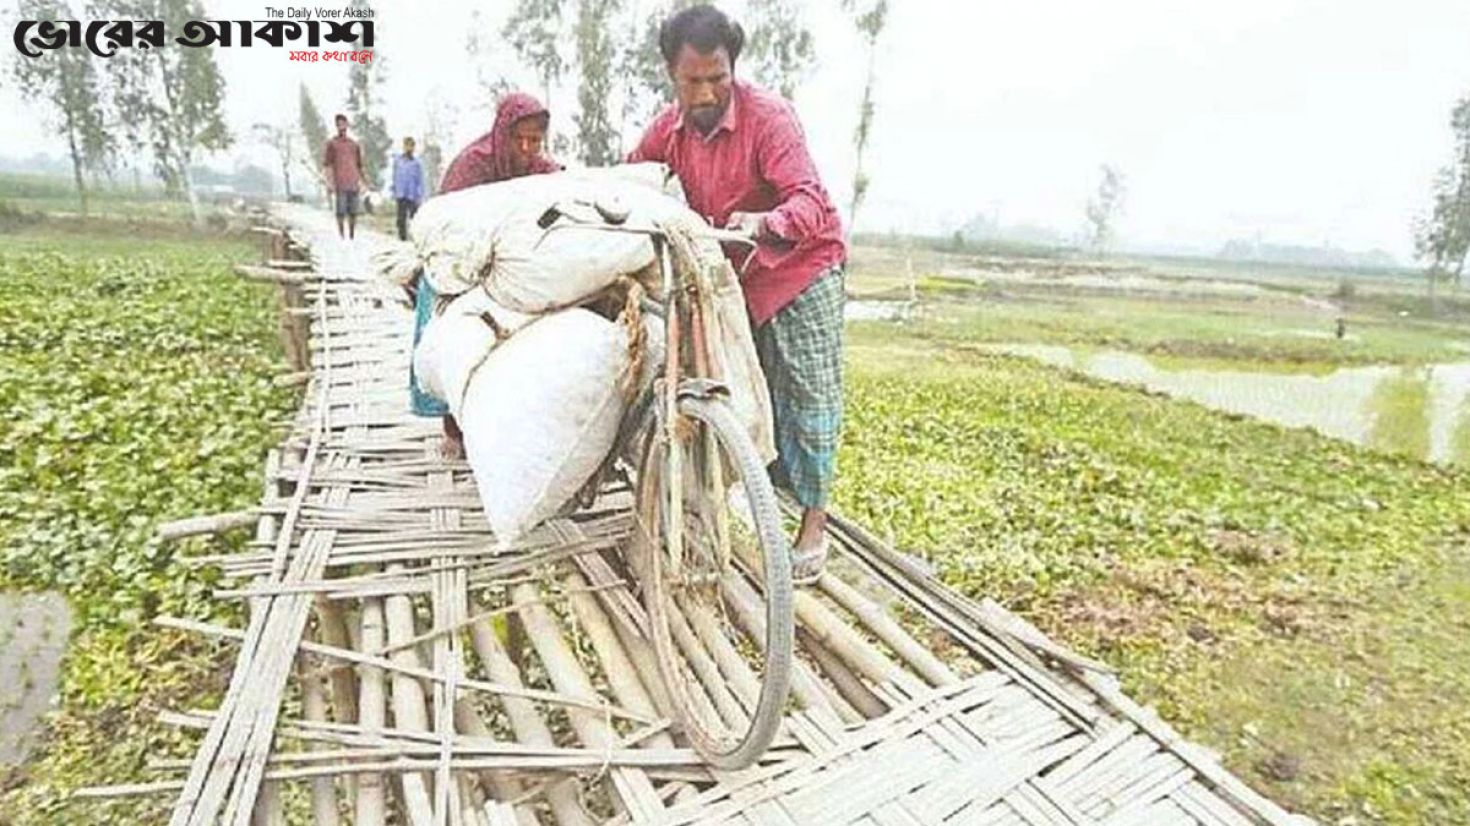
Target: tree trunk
{"type": "Point", "coordinates": [181, 142]}
{"type": "Point", "coordinates": [865, 125]}
{"type": "Point", "coordinates": [76, 162]}
{"type": "Point", "coordinates": [187, 179]}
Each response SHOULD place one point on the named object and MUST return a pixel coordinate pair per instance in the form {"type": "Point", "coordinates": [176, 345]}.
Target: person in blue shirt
{"type": "Point", "coordinates": [408, 186]}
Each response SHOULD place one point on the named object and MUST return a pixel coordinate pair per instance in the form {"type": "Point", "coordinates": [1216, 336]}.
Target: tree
{"type": "Point", "coordinates": [283, 141]}
{"type": "Point", "coordinates": [597, 137]}
{"type": "Point", "coordinates": [645, 79]}
{"type": "Point", "coordinates": [173, 97]}
{"type": "Point", "coordinates": [1442, 238]}
{"type": "Point", "coordinates": [314, 132]}
{"type": "Point", "coordinates": [534, 32]}
{"type": "Point", "coordinates": [364, 87]}
{"type": "Point", "coordinates": [869, 21]}
{"type": "Point", "coordinates": [613, 43]}
{"type": "Point", "coordinates": [483, 49]}
{"type": "Point", "coordinates": [1104, 208]}
{"type": "Point", "coordinates": [66, 80]}
{"type": "Point", "coordinates": [439, 119]}
{"type": "Point", "coordinates": [779, 47]}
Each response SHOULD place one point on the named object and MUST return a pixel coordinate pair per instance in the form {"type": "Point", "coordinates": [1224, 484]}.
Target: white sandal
{"type": "Point", "coordinates": [806, 566]}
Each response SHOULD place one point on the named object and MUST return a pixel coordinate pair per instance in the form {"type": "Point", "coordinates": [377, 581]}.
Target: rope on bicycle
{"type": "Point", "coordinates": [632, 320]}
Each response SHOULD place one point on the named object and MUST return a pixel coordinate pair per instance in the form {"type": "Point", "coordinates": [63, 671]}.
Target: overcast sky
{"type": "Point", "coordinates": [1298, 121]}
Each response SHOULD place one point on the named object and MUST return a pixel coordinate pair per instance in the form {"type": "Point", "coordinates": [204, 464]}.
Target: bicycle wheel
{"type": "Point", "coordinates": [720, 607]}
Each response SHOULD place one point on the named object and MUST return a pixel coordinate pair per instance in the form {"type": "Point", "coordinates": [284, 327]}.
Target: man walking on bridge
{"type": "Point", "coordinates": [408, 186]}
{"type": "Point", "coordinates": [342, 163]}
{"type": "Point", "coordinates": [742, 158]}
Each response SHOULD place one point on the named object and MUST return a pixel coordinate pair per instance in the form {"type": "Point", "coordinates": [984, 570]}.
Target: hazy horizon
{"type": "Point", "coordinates": [1304, 123]}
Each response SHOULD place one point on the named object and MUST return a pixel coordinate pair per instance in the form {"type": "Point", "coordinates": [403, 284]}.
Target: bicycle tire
{"type": "Point", "coordinates": [721, 749]}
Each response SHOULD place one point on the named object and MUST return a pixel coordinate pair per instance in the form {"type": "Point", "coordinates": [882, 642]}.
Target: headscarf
{"type": "Point", "coordinates": [487, 160]}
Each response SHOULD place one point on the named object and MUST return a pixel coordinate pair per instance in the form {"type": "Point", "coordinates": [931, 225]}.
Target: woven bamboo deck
{"type": "Point", "coordinates": [379, 680]}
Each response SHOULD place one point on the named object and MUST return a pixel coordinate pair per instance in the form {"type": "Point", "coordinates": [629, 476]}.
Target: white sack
{"type": "Point", "coordinates": [540, 414]}
{"type": "Point", "coordinates": [492, 233]}
{"type": "Point", "coordinates": [457, 340]}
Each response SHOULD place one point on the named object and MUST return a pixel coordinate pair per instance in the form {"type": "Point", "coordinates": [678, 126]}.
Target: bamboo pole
{"type": "Point", "coordinates": [416, 672]}
{"type": "Point", "coordinates": [314, 708]}
{"type": "Point", "coordinates": [502, 788]}
{"type": "Point", "coordinates": [408, 703]}
{"type": "Point", "coordinates": [268, 275]}
{"type": "Point", "coordinates": [202, 525]}
{"type": "Point", "coordinates": [635, 790]}
{"type": "Point", "coordinates": [810, 691]}
{"type": "Point", "coordinates": [331, 629]}
{"type": "Point", "coordinates": [622, 675]}
{"type": "Point", "coordinates": [847, 684]}
{"type": "Point", "coordinates": [371, 803]}
{"type": "Point", "coordinates": [883, 626]}
{"type": "Point", "coordinates": [839, 638]}
{"type": "Point", "coordinates": [525, 720]}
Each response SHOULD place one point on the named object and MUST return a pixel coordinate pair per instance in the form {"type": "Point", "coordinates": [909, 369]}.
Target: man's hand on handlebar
{"type": "Point", "coordinates": [749, 224]}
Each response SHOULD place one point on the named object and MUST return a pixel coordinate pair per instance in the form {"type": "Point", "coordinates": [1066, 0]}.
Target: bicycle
{"type": "Point", "coordinates": [696, 468]}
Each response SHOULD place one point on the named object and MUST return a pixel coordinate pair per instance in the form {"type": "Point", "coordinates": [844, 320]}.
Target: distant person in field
{"type": "Point", "coordinates": [408, 186]}
{"type": "Point", "coordinates": [512, 148]}
{"type": "Point", "coordinates": [342, 162]}
{"type": "Point", "coordinates": [742, 157]}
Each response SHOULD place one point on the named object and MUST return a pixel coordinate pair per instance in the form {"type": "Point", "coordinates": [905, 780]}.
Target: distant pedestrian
{"type": "Point", "coordinates": [342, 163]}
{"type": "Point", "coordinates": [1341, 328]}
{"type": "Point", "coordinates": [408, 186]}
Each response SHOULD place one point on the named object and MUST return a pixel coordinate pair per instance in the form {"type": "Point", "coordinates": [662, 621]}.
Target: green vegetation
{"type": "Point", "coordinates": [135, 371]}
{"type": "Point", "coordinates": [32, 194]}
{"type": "Point", "coordinates": [1292, 601]}
{"type": "Point", "coordinates": [1209, 329]}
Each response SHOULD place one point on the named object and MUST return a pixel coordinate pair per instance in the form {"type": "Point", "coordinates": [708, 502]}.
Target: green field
{"type": "Point", "coordinates": [1296, 603]}
{"type": "Point", "coordinates": [1244, 314]}
{"type": "Point", "coordinates": [136, 376]}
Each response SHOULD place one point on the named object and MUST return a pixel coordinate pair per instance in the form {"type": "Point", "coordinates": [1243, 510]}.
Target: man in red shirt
{"type": "Point", "coordinates": [742, 158]}
{"type": "Point", "coordinates": [342, 164]}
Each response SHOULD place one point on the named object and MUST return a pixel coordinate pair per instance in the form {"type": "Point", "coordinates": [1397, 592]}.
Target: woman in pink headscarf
{"type": "Point", "coordinates": [512, 148]}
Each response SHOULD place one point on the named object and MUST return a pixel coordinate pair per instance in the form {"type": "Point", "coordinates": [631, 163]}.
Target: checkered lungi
{"type": "Point", "coordinates": [800, 350]}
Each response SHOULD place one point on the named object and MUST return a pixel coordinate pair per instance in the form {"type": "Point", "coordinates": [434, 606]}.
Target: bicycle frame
{"type": "Point", "coordinates": [681, 413]}
{"type": "Point", "coordinates": [674, 384]}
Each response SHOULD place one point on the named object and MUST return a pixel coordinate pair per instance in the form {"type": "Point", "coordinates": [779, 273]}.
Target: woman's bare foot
{"type": "Point", "coordinates": [452, 447]}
